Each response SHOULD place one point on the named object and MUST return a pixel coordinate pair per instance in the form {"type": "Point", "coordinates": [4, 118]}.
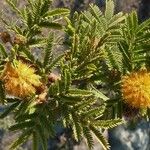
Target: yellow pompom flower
{"type": "Point", "coordinates": [136, 89]}
{"type": "Point", "coordinates": [20, 79]}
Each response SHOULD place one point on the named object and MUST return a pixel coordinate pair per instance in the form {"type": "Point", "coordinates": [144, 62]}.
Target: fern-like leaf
{"type": "Point", "coordinates": [100, 138]}
{"type": "Point", "coordinates": [21, 139]}
{"type": "Point", "coordinates": [48, 51]}
{"type": "Point", "coordinates": [109, 11]}
{"type": "Point", "coordinates": [57, 12]}
{"type": "Point", "coordinates": [9, 109]}
{"type": "Point", "coordinates": [51, 25]}
{"type": "Point", "coordinates": [2, 93]}
{"type": "Point", "coordinates": [88, 136]}
{"type": "Point", "coordinates": [3, 51]}
{"type": "Point", "coordinates": [107, 123]}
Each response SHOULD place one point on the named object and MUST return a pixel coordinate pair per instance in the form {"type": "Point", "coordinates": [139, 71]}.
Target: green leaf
{"type": "Point", "coordinates": [71, 99]}
{"type": "Point", "coordinates": [47, 125]}
{"type": "Point", "coordinates": [66, 79]}
{"type": "Point", "coordinates": [48, 50]}
{"type": "Point", "coordinates": [36, 141]}
{"type": "Point", "coordinates": [21, 139]}
{"type": "Point", "coordinates": [2, 93]}
{"type": "Point", "coordinates": [143, 26]}
{"type": "Point", "coordinates": [24, 117]}
{"type": "Point", "coordinates": [109, 11]}
{"type": "Point", "coordinates": [111, 53]}
{"type": "Point", "coordinates": [77, 127]}
{"type": "Point", "coordinates": [12, 100]}
{"type": "Point", "coordinates": [95, 12]}
{"type": "Point", "coordinates": [57, 12]}
{"type": "Point", "coordinates": [100, 138]}
{"type": "Point", "coordinates": [29, 55]}
{"type": "Point", "coordinates": [22, 125]}
{"type": "Point", "coordinates": [75, 44]}
{"type": "Point", "coordinates": [116, 19]}
{"type": "Point", "coordinates": [97, 93]}
{"type": "Point", "coordinates": [131, 25]}
{"type": "Point", "coordinates": [13, 6]}
{"type": "Point", "coordinates": [45, 7]}
{"type": "Point", "coordinates": [54, 63]}
{"type": "Point", "coordinates": [54, 89]}
{"type": "Point", "coordinates": [9, 109]}
{"type": "Point", "coordinates": [79, 93]}
{"type": "Point", "coordinates": [51, 25]}
{"type": "Point", "coordinates": [37, 42]}
{"type": "Point", "coordinates": [85, 103]}
{"type": "Point", "coordinates": [88, 136]}
{"type": "Point", "coordinates": [29, 18]}
{"type": "Point", "coordinates": [96, 112]}
{"type": "Point", "coordinates": [107, 123]}
{"type": "Point", "coordinates": [40, 130]}
{"type": "Point", "coordinates": [3, 51]}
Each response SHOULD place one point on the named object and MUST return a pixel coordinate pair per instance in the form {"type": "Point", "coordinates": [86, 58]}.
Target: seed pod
{"type": "Point", "coordinates": [40, 89]}
{"type": "Point", "coordinates": [42, 97]}
{"type": "Point", "coordinates": [5, 37]}
{"type": "Point", "coordinates": [53, 77]}
{"type": "Point", "coordinates": [113, 74]}
{"type": "Point", "coordinates": [20, 40]}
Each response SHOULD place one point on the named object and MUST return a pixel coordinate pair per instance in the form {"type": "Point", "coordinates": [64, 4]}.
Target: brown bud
{"type": "Point", "coordinates": [114, 73]}
{"type": "Point", "coordinates": [53, 77]}
{"type": "Point", "coordinates": [40, 89]}
{"type": "Point", "coordinates": [42, 97]}
{"type": "Point", "coordinates": [20, 40]}
{"type": "Point", "coordinates": [5, 37]}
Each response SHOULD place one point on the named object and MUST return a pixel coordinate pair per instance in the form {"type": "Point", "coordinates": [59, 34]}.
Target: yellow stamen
{"type": "Point", "coordinates": [136, 89]}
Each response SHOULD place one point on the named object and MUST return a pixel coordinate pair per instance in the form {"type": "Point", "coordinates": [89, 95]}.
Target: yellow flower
{"type": "Point", "coordinates": [136, 89]}
{"type": "Point", "coordinates": [20, 79]}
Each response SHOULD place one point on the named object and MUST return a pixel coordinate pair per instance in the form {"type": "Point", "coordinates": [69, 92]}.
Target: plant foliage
{"type": "Point", "coordinates": [98, 49]}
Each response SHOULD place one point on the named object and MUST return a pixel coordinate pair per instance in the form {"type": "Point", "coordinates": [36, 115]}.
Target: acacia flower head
{"type": "Point", "coordinates": [20, 79]}
{"type": "Point", "coordinates": [136, 89]}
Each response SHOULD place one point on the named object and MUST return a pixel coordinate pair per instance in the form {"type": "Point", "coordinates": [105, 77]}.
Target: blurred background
{"type": "Point", "coordinates": [124, 137]}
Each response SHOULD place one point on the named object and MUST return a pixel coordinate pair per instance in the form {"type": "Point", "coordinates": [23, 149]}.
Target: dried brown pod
{"type": "Point", "coordinates": [52, 77]}
{"type": "Point", "coordinates": [5, 37]}
{"type": "Point", "coordinates": [114, 73]}
{"type": "Point", "coordinates": [42, 97]}
{"type": "Point", "coordinates": [20, 40]}
{"type": "Point", "coordinates": [40, 89]}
